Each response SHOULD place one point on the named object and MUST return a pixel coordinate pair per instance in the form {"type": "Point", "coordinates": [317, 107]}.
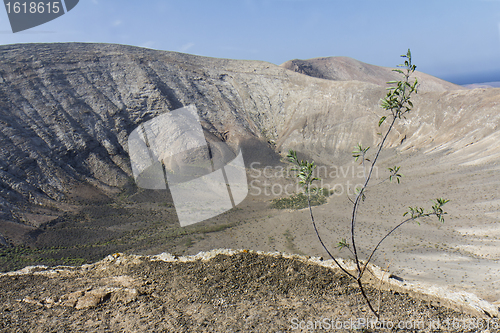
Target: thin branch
{"type": "Point", "coordinates": [321, 241]}
{"type": "Point", "coordinates": [360, 284]}
{"type": "Point", "coordinates": [381, 182]}
{"type": "Point", "coordinates": [349, 198]}
{"type": "Point", "coordinates": [390, 232]}
{"type": "Point", "coordinates": [356, 203]}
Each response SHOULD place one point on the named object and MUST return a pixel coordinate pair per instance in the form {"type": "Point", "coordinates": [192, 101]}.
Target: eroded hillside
{"type": "Point", "coordinates": [66, 111]}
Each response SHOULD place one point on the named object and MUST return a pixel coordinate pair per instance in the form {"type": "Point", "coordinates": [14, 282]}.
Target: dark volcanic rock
{"type": "Point", "coordinates": [66, 111]}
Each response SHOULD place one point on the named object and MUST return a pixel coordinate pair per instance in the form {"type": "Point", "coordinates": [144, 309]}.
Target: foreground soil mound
{"type": "Point", "coordinates": [240, 291]}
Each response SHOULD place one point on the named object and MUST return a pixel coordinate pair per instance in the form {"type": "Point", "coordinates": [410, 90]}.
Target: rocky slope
{"type": "Point", "coordinates": [224, 290]}
{"type": "Point", "coordinates": [66, 111]}
{"type": "Point", "coordinates": [66, 187]}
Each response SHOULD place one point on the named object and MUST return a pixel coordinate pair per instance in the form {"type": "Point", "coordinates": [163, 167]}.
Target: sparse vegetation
{"type": "Point", "coordinates": [398, 104]}
{"type": "Point", "coordinates": [300, 200]}
{"type": "Point", "coordinates": [140, 222]}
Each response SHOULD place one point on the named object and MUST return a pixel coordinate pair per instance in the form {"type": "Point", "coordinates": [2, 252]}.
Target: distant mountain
{"type": "Point", "coordinates": [348, 69]}
{"type": "Point", "coordinates": [483, 85]}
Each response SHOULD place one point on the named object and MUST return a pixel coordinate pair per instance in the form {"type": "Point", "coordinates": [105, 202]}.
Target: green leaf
{"type": "Point", "coordinates": [343, 243]}
{"type": "Point", "coordinates": [381, 121]}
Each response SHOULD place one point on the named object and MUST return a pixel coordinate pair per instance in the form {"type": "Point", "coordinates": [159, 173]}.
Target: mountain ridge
{"type": "Point", "coordinates": [66, 111]}
{"type": "Point", "coordinates": [348, 69]}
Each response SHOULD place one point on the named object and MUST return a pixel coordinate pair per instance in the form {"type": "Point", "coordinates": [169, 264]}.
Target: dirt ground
{"type": "Point", "coordinates": [463, 253]}
{"type": "Point", "coordinates": [242, 292]}
{"type": "Point", "coordinates": [250, 293]}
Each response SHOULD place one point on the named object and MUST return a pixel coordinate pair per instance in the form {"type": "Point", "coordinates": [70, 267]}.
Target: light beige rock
{"type": "Point", "coordinates": [93, 298]}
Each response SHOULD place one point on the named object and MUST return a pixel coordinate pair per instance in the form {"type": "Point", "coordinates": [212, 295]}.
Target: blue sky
{"type": "Point", "coordinates": [458, 40]}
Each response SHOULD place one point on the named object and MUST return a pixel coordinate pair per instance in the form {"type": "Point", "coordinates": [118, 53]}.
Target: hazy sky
{"type": "Point", "coordinates": [458, 40]}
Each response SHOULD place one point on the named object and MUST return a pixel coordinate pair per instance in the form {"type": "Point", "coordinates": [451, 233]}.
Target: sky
{"type": "Point", "coordinates": [457, 40]}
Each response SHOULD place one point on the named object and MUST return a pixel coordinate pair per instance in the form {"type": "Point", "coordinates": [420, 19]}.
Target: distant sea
{"type": "Point", "coordinates": [495, 84]}
{"type": "Point", "coordinates": [475, 80]}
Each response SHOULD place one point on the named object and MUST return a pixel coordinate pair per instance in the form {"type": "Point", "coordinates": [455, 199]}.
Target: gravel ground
{"type": "Point", "coordinates": [242, 292]}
